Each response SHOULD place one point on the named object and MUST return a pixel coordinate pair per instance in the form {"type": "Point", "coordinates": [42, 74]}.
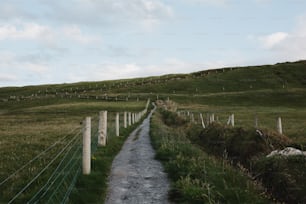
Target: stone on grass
{"type": "Point", "coordinates": [288, 151]}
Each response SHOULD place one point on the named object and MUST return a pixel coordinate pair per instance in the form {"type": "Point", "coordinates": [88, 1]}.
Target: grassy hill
{"type": "Point", "coordinates": [279, 76]}
{"type": "Point", "coordinates": [273, 90]}
{"type": "Point", "coordinates": [33, 117]}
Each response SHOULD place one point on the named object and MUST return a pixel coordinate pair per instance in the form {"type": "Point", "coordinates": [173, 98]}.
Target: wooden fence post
{"type": "Point", "coordinates": [86, 146]}
{"type": "Point", "coordinates": [233, 120]}
{"type": "Point", "coordinates": [102, 128]}
{"type": "Point", "coordinates": [212, 118]}
{"type": "Point", "coordinates": [279, 125]}
{"type": "Point", "coordinates": [191, 117]}
{"type": "Point", "coordinates": [129, 118]}
{"type": "Point", "coordinates": [117, 124]}
{"type": "Point", "coordinates": [202, 121]}
{"type": "Point", "coordinates": [125, 120]}
{"type": "Point", "coordinates": [256, 121]}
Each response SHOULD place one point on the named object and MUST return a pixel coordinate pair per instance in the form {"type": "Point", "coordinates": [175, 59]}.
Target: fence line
{"type": "Point", "coordinates": [67, 162]}
{"type": "Point", "coordinates": [41, 172]}
{"type": "Point", "coordinates": [211, 117]}
{"type": "Point", "coordinates": [36, 157]}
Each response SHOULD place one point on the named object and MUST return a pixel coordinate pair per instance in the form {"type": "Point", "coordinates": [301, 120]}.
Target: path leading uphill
{"type": "Point", "coordinates": [136, 177]}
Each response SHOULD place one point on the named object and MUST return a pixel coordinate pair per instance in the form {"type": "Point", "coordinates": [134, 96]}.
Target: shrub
{"type": "Point", "coordinates": [197, 177]}
{"type": "Point", "coordinates": [240, 144]}
{"type": "Point", "coordinates": [171, 118]}
{"type": "Point", "coordinates": [285, 177]}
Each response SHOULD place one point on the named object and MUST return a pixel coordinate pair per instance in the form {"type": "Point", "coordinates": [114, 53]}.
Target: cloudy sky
{"type": "Point", "coordinates": [57, 41]}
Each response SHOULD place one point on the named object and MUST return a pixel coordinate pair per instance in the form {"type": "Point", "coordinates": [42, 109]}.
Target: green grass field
{"type": "Point", "coordinates": [32, 126]}
{"type": "Point", "coordinates": [33, 117]}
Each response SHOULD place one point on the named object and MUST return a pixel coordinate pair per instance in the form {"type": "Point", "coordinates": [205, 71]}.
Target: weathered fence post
{"type": "Point", "coordinates": [102, 128]}
{"type": "Point", "coordinates": [256, 121]}
{"type": "Point", "coordinates": [192, 117]}
{"type": "Point", "coordinates": [117, 124]}
{"type": "Point", "coordinates": [125, 120]}
{"type": "Point", "coordinates": [279, 125]}
{"type": "Point", "coordinates": [211, 118]}
{"type": "Point", "coordinates": [86, 146]}
{"type": "Point", "coordinates": [130, 119]}
{"type": "Point", "coordinates": [233, 120]}
{"type": "Point", "coordinates": [202, 121]}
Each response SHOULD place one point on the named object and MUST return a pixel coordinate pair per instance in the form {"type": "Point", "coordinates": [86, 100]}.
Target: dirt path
{"type": "Point", "coordinates": [136, 178]}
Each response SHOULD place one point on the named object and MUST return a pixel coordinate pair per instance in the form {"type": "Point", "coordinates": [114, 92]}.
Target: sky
{"type": "Point", "coordinates": [56, 41]}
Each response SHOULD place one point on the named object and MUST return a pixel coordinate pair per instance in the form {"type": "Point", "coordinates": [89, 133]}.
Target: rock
{"type": "Point", "coordinates": [288, 151]}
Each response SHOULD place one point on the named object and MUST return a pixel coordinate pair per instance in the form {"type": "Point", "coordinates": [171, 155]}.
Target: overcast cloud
{"type": "Point", "coordinates": [43, 41]}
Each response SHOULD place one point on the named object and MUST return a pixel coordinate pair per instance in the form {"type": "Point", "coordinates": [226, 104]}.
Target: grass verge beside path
{"type": "Point", "coordinates": [93, 188]}
{"type": "Point", "coordinates": [197, 177]}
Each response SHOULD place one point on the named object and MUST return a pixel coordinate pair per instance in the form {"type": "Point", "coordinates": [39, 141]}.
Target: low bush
{"type": "Point", "coordinates": [197, 177]}
{"type": "Point", "coordinates": [284, 176]}
{"type": "Point", "coordinates": [171, 118]}
{"type": "Point", "coordinates": [239, 144]}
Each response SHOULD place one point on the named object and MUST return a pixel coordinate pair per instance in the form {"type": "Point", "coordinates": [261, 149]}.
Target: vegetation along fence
{"type": "Point", "coordinates": [50, 176]}
{"type": "Point", "coordinates": [198, 118]}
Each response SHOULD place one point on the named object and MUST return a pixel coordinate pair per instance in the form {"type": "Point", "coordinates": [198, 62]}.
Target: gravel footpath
{"type": "Point", "coordinates": [136, 177]}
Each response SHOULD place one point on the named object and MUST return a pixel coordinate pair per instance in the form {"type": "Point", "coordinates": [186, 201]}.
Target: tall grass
{"type": "Point", "coordinates": [197, 177]}
{"type": "Point", "coordinates": [30, 128]}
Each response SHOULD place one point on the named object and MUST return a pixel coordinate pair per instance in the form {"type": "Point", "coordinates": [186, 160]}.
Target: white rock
{"type": "Point", "coordinates": [288, 151]}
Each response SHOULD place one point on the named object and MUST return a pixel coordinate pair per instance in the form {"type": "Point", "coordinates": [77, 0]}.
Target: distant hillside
{"type": "Point", "coordinates": [267, 77]}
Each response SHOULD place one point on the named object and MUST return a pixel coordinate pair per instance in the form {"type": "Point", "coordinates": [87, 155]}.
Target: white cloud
{"type": "Point", "coordinates": [44, 34]}
{"type": "Point", "coordinates": [110, 71]}
{"type": "Point", "coordinates": [263, 1]}
{"type": "Point", "coordinates": [35, 67]}
{"type": "Point", "coordinates": [7, 77]}
{"type": "Point", "coordinates": [207, 2]}
{"type": "Point", "coordinates": [287, 46]}
{"type": "Point", "coordinates": [146, 13]}
{"type": "Point", "coordinates": [75, 33]}
{"type": "Point", "coordinates": [273, 39]}
{"type": "Point", "coordinates": [11, 63]}
{"type": "Point", "coordinates": [26, 31]}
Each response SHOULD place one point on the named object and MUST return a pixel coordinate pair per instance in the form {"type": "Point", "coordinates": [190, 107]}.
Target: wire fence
{"type": "Point", "coordinates": [51, 175]}
{"type": "Point", "coordinates": [247, 120]}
